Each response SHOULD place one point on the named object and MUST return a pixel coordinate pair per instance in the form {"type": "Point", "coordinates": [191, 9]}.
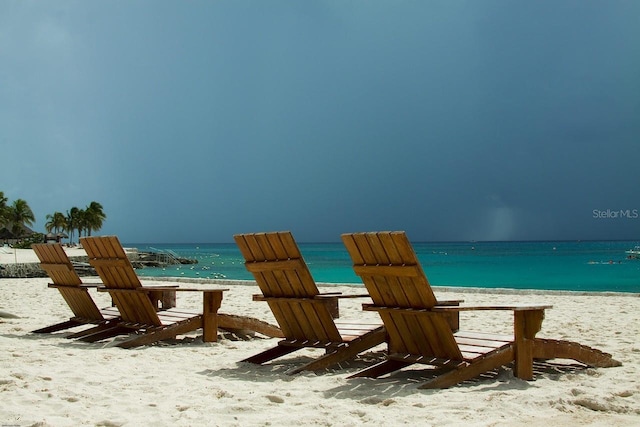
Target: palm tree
{"type": "Point", "coordinates": [94, 217]}
{"type": "Point", "coordinates": [56, 222]}
{"type": "Point", "coordinates": [82, 222]}
{"type": "Point", "coordinates": [20, 215]}
{"type": "Point", "coordinates": [73, 217]}
{"type": "Point", "coordinates": [4, 210]}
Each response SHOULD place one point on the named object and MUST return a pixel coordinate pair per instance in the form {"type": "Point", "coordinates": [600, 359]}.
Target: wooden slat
{"type": "Point", "coordinates": [110, 261]}
{"type": "Point", "coordinates": [55, 262]}
{"type": "Point", "coordinates": [286, 283]}
{"type": "Point", "coordinates": [483, 335]}
{"type": "Point", "coordinates": [387, 270]}
{"type": "Point", "coordinates": [134, 301]}
{"type": "Point", "coordinates": [56, 268]}
{"type": "Point", "coordinates": [306, 318]}
{"type": "Point", "coordinates": [401, 281]}
{"type": "Point", "coordinates": [440, 336]}
{"type": "Point", "coordinates": [301, 277]}
{"type": "Point", "coordinates": [260, 267]}
{"type": "Point", "coordinates": [420, 290]}
{"type": "Point", "coordinates": [480, 342]}
{"type": "Point", "coordinates": [394, 278]}
{"type": "Point", "coordinates": [281, 312]}
{"type": "Point", "coordinates": [420, 331]}
{"type": "Point", "coordinates": [259, 248]}
{"type": "Point", "coordinates": [511, 307]}
{"type": "Point", "coordinates": [477, 349]}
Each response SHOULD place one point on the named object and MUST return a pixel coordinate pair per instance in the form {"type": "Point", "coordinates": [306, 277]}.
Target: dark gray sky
{"type": "Point", "coordinates": [452, 120]}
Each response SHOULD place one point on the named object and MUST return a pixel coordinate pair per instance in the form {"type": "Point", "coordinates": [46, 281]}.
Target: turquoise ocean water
{"type": "Point", "coordinates": [575, 266]}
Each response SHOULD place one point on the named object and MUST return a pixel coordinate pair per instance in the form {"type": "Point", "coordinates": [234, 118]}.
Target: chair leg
{"type": "Point", "coordinates": [467, 371]}
{"type": "Point", "coordinates": [380, 369]}
{"type": "Point", "coordinates": [211, 304]}
{"type": "Point", "coordinates": [95, 329]}
{"type": "Point", "coordinates": [346, 351]}
{"type": "Point", "coordinates": [162, 333]}
{"type": "Point", "coordinates": [104, 333]}
{"type": "Point", "coordinates": [272, 353]}
{"type": "Point", "coordinates": [57, 327]}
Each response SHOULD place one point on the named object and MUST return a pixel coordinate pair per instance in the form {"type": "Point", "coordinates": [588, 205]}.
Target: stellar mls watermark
{"type": "Point", "coordinates": [616, 214]}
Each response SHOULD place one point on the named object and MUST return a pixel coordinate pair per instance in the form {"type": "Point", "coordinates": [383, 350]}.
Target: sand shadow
{"type": "Point", "coordinates": [407, 381]}
{"type": "Point", "coordinates": [397, 384]}
{"type": "Point", "coordinates": [279, 369]}
{"type": "Point", "coordinates": [66, 339]}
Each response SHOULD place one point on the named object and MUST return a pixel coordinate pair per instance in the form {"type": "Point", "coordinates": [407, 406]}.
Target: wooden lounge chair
{"type": "Point", "coordinates": [419, 333]}
{"type": "Point", "coordinates": [304, 315]}
{"type": "Point", "coordinates": [55, 262]}
{"type": "Point", "coordinates": [138, 313]}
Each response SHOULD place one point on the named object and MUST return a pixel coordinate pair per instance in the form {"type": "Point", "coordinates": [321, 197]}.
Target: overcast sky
{"type": "Point", "coordinates": [190, 121]}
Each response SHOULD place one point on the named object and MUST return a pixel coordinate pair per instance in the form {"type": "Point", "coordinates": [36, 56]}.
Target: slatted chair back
{"type": "Point", "coordinates": [286, 283]}
{"type": "Point", "coordinates": [64, 277]}
{"type": "Point", "coordinates": [401, 293]}
{"type": "Point", "coordinates": [108, 257]}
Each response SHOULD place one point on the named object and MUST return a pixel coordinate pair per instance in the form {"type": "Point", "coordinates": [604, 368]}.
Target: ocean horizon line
{"type": "Point", "coordinates": [415, 241]}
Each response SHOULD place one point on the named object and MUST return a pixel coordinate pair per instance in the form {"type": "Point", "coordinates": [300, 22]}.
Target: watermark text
{"type": "Point", "coordinates": [616, 214]}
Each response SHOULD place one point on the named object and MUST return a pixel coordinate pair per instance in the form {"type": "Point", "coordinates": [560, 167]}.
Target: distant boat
{"type": "Point", "coordinates": [633, 253]}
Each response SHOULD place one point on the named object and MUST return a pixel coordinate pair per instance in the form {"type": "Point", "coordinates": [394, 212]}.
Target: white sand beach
{"type": "Point", "coordinates": [9, 255]}
{"type": "Point", "coordinates": [48, 380]}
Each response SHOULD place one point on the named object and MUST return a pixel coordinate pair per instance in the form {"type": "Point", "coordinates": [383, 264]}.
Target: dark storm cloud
{"type": "Point", "coordinates": [449, 119]}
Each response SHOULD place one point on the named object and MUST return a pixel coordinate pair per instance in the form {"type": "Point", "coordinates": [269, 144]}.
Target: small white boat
{"type": "Point", "coordinates": [633, 253]}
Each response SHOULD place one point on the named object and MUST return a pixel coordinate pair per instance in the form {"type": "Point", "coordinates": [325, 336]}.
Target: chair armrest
{"type": "Point", "coordinates": [326, 296]}
{"type": "Point", "coordinates": [341, 295]}
{"type": "Point", "coordinates": [176, 289]}
{"type": "Point", "coordinates": [155, 289]}
{"type": "Point", "coordinates": [449, 302]}
{"type": "Point", "coordinates": [515, 307]}
{"type": "Point", "coordinates": [161, 287]}
{"type": "Point", "coordinates": [323, 296]}
{"type": "Point", "coordinates": [259, 297]}
{"type": "Point", "coordinates": [82, 285]}
{"type": "Point", "coordinates": [355, 296]}
{"type": "Point", "coordinates": [454, 308]}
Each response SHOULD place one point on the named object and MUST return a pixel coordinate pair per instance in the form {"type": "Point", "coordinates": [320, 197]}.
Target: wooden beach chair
{"type": "Point", "coordinates": [138, 313]}
{"type": "Point", "coordinates": [64, 277]}
{"type": "Point", "coordinates": [419, 332]}
{"type": "Point", "coordinates": [305, 316]}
